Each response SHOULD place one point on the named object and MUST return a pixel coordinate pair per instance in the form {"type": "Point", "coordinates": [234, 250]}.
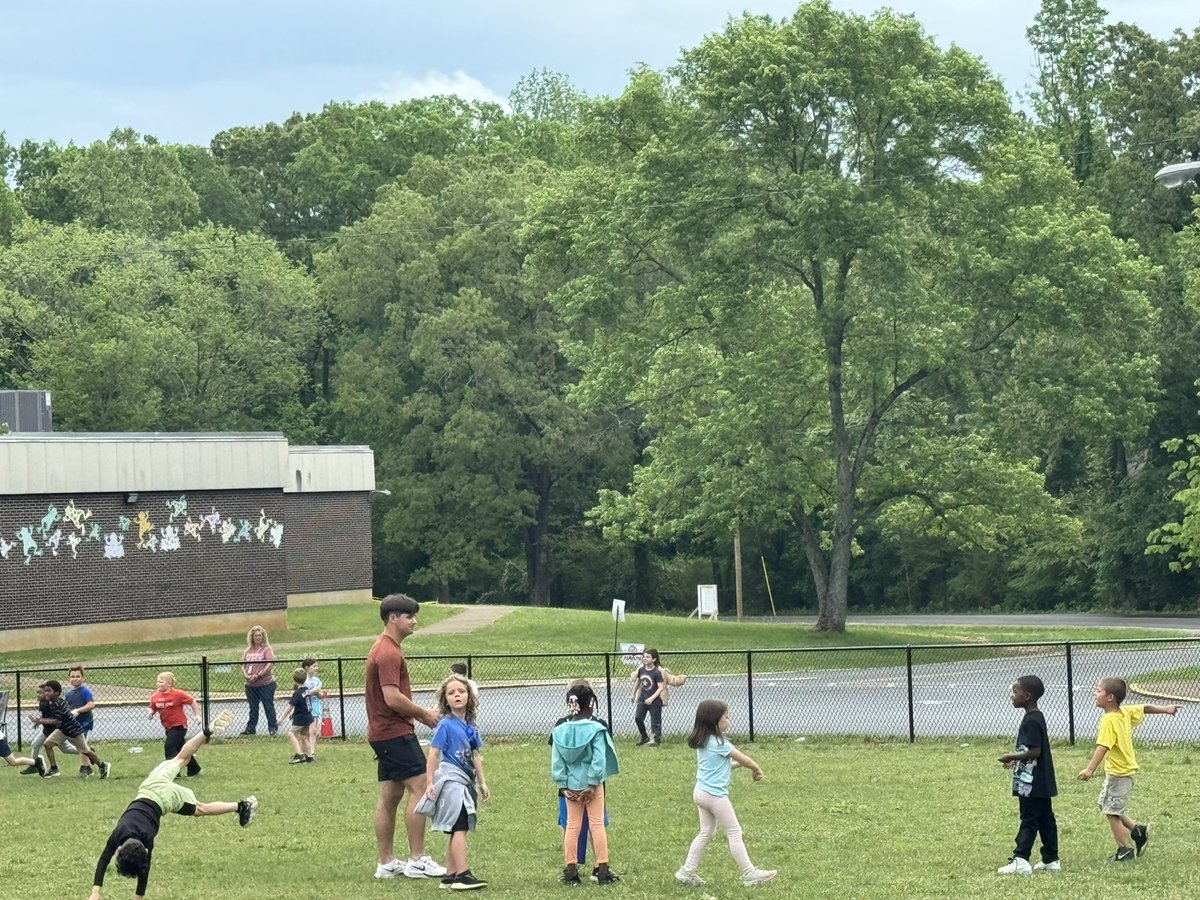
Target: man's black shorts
{"type": "Point", "coordinates": [399, 758]}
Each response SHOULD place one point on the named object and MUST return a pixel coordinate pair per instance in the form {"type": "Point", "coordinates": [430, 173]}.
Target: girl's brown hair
{"type": "Point", "coordinates": [444, 704]}
{"type": "Point", "coordinates": [708, 718]}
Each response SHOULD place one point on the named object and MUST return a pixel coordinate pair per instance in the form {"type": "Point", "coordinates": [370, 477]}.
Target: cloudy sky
{"type": "Point", "coordinates": [182, 72]}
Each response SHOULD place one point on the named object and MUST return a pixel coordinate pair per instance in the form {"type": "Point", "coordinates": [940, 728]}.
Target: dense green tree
{"type": "Point", "coordinates": [841, 286]}
{"type": "Point", "coordinates": [449, 366]}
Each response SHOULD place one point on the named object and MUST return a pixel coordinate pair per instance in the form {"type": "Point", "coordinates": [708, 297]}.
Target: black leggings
{"type": "Point", "coordinates": [655, 710]}
{"type": "Point", "coordinates": [173, 743]}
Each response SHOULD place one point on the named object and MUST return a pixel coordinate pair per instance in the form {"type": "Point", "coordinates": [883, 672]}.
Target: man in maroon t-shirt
{"type": "Point", "coordinates": [390, 715]}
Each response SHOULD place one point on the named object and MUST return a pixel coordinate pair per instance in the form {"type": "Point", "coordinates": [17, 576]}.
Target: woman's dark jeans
{"type": "Point", "coordinates": [264, 694]}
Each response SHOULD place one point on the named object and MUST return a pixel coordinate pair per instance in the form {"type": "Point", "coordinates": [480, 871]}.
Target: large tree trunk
{"type": "Point", "coordinates": [537, 548]}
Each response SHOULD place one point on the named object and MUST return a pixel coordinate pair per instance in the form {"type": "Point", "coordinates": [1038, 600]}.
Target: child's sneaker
{"type": "Point", "coordinates": [1047, 866]}
{"type": "Point", "coordinates": [296, 758]}
{"type": "Point", "coordinates": [688, 877]}
{"type": "Point", "coordinates": [1016, 866]}
{"type": "Point", "coordinates": [1123, 854]}
{"type": "Point", "coordinates": [51, 772]}
{"type": "Point", "coordinates": [35, 769]}
{"type": "Point", "coordinates": [247, 809]}
{"type": "Point", "coordinates": [467, 882]}
{"type": "Point", "coordinates": [609, 877]}
{"type": "Point", "coordinates": [759, 876]}
{"type": "Point", "coordinates": [389, 869]}
{"type": "Point", "coordinates": [1140, 834]}
{"type": "Point", "coordinates": [105, 769]}
{"type": "Point", "coordinates": [309, 759]}
{"type": "Point", "coordinates": [448, 880]}
{"type": "Point", "coordinates": [423, 867]}
{"type": "Point", "coordinates": [569, 877]}
{"type": "Point", "coordinates": [85, 771]}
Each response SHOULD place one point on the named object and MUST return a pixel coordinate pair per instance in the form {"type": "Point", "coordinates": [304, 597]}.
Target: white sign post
{"type": "Point", "coordinates": [618, 614]}
{"type": "Point", "coordinates": [706, 601]}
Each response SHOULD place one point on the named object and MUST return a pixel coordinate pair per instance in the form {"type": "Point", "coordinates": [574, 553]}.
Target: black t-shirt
{"type": "Point", "coordinates": [648, 682]}
{"type": "Point", "coordinates": [1034, 777]}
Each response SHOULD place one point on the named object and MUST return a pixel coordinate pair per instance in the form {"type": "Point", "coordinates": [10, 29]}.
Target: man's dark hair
{"type": "Point", "coordinates": [133, 859]}
{"type": "Point", "coordinates": [53, 685]}
{"type": "Point", "coordinates": [1032, 685]}
{"type": "Point", "coordinates": [458, 668]}
{"type": "Point", "coordinates": [398, 604]}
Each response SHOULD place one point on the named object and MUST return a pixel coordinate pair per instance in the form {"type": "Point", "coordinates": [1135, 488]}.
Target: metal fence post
{"type": "Point", "coordinates": [912, 722]}
{"type": "Point", "coordinates": [608, 688]}
{"type": "Point", "coordinates": [19, 716]}
{"type": "Point", "coordinates": [1070, 695]}
{"type": "Point", "coordinates": [750, 689]}
{"type": "Point", "coordinates": [204, 695]}
{"type": "Point", "coordinates": [342, 699]}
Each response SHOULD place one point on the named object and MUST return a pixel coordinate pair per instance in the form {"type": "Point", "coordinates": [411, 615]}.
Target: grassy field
{"type": "Point", "coordinates": [844, 819]}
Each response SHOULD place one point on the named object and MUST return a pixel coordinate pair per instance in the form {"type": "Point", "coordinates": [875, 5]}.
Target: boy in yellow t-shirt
{"type": "Point", "coordinates": [1114, 746]}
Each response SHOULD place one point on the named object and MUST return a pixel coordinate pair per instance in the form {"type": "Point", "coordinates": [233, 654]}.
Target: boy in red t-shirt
{"type": "Point", "coordinates": [170, 705]}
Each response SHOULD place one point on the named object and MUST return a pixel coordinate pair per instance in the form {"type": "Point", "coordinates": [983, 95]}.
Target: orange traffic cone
{"type": "Point", "coordinates": [326, 726]}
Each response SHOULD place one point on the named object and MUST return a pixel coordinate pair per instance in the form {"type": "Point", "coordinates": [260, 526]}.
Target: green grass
{"type": "Point", "coordinates": [839, 818]}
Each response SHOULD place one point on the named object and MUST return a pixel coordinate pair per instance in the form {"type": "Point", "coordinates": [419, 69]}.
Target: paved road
{"type": "Point", "coordinates": [1034, 620]}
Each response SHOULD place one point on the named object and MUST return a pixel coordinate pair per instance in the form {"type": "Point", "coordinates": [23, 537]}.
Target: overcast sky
{"type": "Point", "coordinates": [184, 71]}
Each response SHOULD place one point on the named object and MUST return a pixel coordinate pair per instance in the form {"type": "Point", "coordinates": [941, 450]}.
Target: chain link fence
{"type": "Point", "coordinates": [906, 692]}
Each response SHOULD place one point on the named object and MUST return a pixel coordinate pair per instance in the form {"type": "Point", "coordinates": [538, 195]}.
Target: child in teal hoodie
{"type": "Point", "coordinates": [582, 758]}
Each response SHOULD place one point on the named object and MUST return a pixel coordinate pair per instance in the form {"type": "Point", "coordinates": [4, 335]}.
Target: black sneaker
{"type": "Point", "coordinates": [1141, 836]}
{"type": "Point", "coordinates": [32, 770]}
{"type": "Point", "coordinates": [569, 877]}
{"type": "Point", "coordinates": [296, 758]}
{"type": "Point", "coordinates": [309, 759]}
{"type": "Point", "coordinates": [1123, 854]}
{"type": "Point", "coordinates": [51, 772]}
{"type": "Point", "coordinates": [105, 768]}
{"type": "Point", "coordinates": [642, 741]}
{"type": "Point", "coordinates": [448, 880]}
{"type": "Point", "coordinates": [607, 878]}
{"type": "Point", "coordinates": [246, 810]}
{"type": "Point", "coordinates": [85, 771]}
{"type": "Point", "coordinates": [467, 882]}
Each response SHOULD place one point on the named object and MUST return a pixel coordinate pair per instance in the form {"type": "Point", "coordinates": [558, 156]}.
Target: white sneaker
{"type": "Point", "coordinates": [1047, 867]}
{"type": "Point", "coordinates": [390, 869]}
{"type": "Point", "coordinates": [1018, 866]}
{"type": "Point", "coordinates": [688, 877]}
{"type": "Point", "coordinates": [759, 876]}
{"type": "Point", "coordinates": [423, 867]}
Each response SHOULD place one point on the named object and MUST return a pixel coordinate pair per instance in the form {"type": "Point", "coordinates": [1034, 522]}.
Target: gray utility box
{"type": "Point", "coordinates": [24, 411]}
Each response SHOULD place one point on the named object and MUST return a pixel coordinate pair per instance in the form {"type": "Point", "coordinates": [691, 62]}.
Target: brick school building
{"type": "Point", "coordinates": [107, 537]}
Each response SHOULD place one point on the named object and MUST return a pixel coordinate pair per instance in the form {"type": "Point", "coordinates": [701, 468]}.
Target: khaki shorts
{"type": "Point", "coordinates": [160, 787]}
{"type": "Point", "coordinates": [1114, 796]}
{"type": "Point", "coordinates": [79, 742]}
{"type": "Point", "coordinates": [300, 730]}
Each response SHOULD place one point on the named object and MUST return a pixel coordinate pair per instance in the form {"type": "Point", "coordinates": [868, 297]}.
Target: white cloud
{"type": "Point", "coordinates": [401, 87]}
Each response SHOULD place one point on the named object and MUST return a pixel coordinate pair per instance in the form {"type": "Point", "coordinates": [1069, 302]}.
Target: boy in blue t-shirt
{"type": "Point", "coordinates": [301, 715]}
{"type": "Point", "coordinates": [82, 702]}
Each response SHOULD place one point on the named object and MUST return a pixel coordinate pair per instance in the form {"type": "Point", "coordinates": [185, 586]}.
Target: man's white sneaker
{"type": "Point", "coordinates": [759, 876]}
{"type": "Point", "coordinates": [1047, 867]}
{"type": "Point", "coordinates": [688, 877]}
{"type": "Point", "coordinates": [390, 869]}
{"type": "Point", "coordinates": [423, 867]}
{"type": "Point", "coordinates": [1018, 866]}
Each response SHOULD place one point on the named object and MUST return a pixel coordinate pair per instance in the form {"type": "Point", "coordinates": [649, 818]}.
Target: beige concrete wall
{"type": "Point", "coordinates": [328, 598]}
{"type": "Point", "coordinates": [67, 636]}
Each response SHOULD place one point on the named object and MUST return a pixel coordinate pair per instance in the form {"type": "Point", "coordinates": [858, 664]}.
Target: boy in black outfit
{"type": "Point", "coordinates": [1033, 782]}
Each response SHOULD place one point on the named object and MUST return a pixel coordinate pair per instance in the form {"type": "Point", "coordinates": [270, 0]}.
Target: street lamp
{"type": "Point", "coordinates": [1177, 175]}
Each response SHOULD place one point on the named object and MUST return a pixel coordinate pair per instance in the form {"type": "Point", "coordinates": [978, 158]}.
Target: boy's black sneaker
{"type": "Point", "coordinates": [246, 810]}
{"type": "Point", "coordinates": [642, 741]}
{"type": "Point", "coordinates": [1140, 834]}
{"type": "Point", "coordinates": [85, 771]}
{"type": "Point", "coordinates": [51, 772]}
{"type": "Point", "coordinates": [105, 769]}
{"type": "Point", "coordinates": [467, 882]}
{"type": "Point", "coordinates": [31, 770]}
{"type": "Point", "coordinates": [569, 877]}
{"type": "Point", "coordinates": [296, 758]}
{"type": "Point", "coordinates": [607, 878]}
{"type": "Point", "coordinates": [1123, 854]}
{"type": "Point", "coordinates": [448, 879]}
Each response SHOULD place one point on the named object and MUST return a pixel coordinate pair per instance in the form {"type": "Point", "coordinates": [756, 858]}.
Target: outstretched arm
{"type": "Point", "coordinates": [1169, 710]}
